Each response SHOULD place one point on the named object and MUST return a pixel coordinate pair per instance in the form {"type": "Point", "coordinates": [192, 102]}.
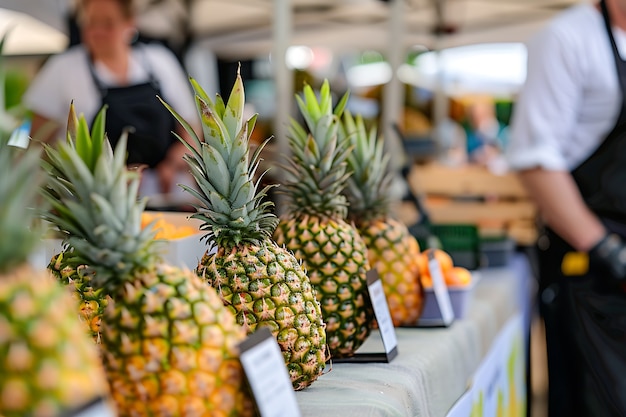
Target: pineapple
{"type": "Point", "coordinates": [392, 250]}
{"type": "Point", "coordinates": [48, 365]}
{"type": "Point", "coordinates": [258, 280]}
{"type": "Point", "coordinates": [169, 346]}
{"type": "Point", "coordinates": [315, 229]}
{"type": "Point", "coordinates": [92, 302]}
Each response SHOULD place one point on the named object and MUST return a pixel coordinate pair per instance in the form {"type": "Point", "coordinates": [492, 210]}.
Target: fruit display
{"type": "Point", "coordinates": [314, 226]}
{"type": "Point", "coordinates": [169, 346]}
{"type": "Point", "coordinates": [48, 365]}
{"type": "Point", "coordinates": [454, 276]}
{"type": "Point", "coordinates": [92, 301]}
{"type": "Point", "coordinates": [392, 250]}
{"type": "Point", "coordinates": [258, 280]}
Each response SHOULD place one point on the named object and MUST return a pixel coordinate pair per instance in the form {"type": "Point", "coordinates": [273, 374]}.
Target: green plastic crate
{"type": "Point", "coordinates": [461, 241]}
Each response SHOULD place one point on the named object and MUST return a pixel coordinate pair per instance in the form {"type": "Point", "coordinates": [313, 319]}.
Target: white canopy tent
{"type": "Point", "coordinates": [240, 29]}
{"type": "Point", "coordinates": [36, 30]}
{"type": "Point", "coordinates": [243, 28]}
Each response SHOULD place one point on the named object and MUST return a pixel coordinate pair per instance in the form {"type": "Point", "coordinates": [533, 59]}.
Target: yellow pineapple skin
{"type": "Point", "coordinates": [48, 365]}
{"type": "Point", "coordinates": [335, 258]}
{"type": "Point", "coordinates": [91, 302]}
{"type": "Point", "coordinates": [266, 286]}
{"type": "Point", "coordinates": [394, 252]}
{"type": "Point", "coordinates": [170, 348]}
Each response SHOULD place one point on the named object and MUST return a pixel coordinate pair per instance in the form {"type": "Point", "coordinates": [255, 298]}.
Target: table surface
{"type": "Point", "coordinates": [433, 365]}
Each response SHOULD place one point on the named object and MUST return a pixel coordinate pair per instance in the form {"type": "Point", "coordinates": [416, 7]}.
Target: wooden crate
{"type": "Point", "coordinates": [497, 204]}
{"type": "Point", "coordinates": [467, 181]}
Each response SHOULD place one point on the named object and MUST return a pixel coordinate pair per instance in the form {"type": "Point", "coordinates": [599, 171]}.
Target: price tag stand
{"type": "Point", "coordinates": [265, 369]}
{"type": "Point", "coordinates": [445, 313]}
{"type": "Point", "coordinates": [99, 407]}
{"type": "Point", "coordinates": [385, 325]}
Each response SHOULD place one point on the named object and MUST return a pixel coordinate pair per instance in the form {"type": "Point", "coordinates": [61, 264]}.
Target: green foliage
{"type": "Point", "coordinates": [232, 206]}
{"type": "Point", "coordinates": [94, 201]}
{"type": "Point", "coordinates": [19, 177]}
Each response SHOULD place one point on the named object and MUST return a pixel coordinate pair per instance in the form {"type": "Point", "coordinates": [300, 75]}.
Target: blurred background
{"type": "Point", "coordinates": [442, 70]}
{"type": "Point", "coordinates": [439, 77]}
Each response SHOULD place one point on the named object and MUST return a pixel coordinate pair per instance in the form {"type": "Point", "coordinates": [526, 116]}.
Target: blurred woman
{"type": "Point", "coordinates": [107, 68]}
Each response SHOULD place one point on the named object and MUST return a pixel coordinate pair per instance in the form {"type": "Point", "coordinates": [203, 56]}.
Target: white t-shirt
{"type": "Point", "coordinates": [66, 77]}
{"type": "Point", "coordinates": [571, 98]}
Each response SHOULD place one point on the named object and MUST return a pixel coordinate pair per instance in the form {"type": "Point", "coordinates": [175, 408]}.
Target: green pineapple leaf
{"type": "Point", "coordinates": [193, 148]}
{"type": "Point", "coordinates": [94, 198]}
{"type": "Point", "coordinates": [231, 204]}
{"type": "Point", "coordinates": [97, 136]}
{"type": "Point", "coordinates": [18, 198]}
{"type": "Point", "coordinates": [368, 187]}
{"type": "Point", "coordinates": [318, 171]}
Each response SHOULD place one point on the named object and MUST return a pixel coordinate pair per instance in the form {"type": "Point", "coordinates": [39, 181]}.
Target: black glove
{"type": "Point", "coordinates": [609, 254]}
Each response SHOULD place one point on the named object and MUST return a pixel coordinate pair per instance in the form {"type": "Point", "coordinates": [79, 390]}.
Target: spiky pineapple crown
{"type": "Point", "coordinates": [318, 168]}
{"type": "Point", "coordinates": [368, 186]}
{"type": "Point", "coordinates": [230, 204]}
{"type": "Point", "coordinates": [95, 204]}
{"type": "Point", "coordinates": [19, 178]}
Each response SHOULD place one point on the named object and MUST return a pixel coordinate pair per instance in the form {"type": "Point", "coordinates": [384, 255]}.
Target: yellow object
{"type": "Point", "coordinates": [164, 229]}
{"type": "Point", "coordinates": [395, 253]}
{"type": "Point", "coordinates": [575, 263]}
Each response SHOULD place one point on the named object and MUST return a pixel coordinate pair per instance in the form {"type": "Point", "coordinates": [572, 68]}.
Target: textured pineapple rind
{"type": "Point", "coordinates": [265, 285]}
{"type": "Point", "coordinates": [47, 363]}
{"type": "Point", "coordinates": [171, 348]}
{"type": "Point", "coordinates": [91, 301]}
{"type": "Point", "coordinates": [335, 258]}
{"type": "Point", "coordinates": [394, 252]}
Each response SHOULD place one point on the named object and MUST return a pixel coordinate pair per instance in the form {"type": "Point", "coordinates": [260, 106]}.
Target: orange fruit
{"type": "Point", "coordinates": [422, 263]}
{"type": "Point", "coordinates": [445, 263]}
{"type": "Point", "coordinates": [458, 276]}
{"type": "Point", "coordinates": [443, 257]}
{"type": "Point", "coordinates": [427, 281]}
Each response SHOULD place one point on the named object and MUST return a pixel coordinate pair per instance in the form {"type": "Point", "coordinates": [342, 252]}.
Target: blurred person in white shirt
{"type": "Point", "coordinates": [568, 144]}
{"type": "Point", "coordinates": [108, 68]}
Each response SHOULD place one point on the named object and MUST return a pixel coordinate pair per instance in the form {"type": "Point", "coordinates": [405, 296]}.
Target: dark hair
{"type": "Point", "coordinates": [128, 7]}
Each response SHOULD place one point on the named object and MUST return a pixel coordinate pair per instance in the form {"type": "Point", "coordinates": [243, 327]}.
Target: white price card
{"type": "Point", "coordinates": [19, 137]}
{"type": "Point", "coordinates": [267, 375]}
{"type": "Point", "coordinates": [381, 311]}
{"type": "Point", "coordinates": [96, 408]}
{"type": "Point", "coordinates": [441, 290]}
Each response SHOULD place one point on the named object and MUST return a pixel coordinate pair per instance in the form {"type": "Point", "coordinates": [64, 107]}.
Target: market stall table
{"type": "Point", "coordinates": [434, 366]}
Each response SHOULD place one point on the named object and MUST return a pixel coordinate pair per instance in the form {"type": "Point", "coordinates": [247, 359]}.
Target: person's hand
{"type": "Point", "coordinates": [175, 157]}
{"type": "Point", "coordinates": [166, 175]}
{"type": "Point", "coordinates": [610, 255]}
{"type": "Point", "coordinates": [172, 165]}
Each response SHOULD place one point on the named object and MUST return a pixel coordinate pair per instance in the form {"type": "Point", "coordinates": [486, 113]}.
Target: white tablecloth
{"type": "Point", "coordinates": [433, 366]}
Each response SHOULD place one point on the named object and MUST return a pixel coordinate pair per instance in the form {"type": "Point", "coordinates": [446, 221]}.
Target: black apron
{"type": "Point", "coordinates": [136, 107]}
{"type": "Point", "coordinates": [585, 315]}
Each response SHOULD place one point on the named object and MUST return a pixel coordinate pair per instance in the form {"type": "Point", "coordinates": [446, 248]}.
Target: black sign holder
{"type": "Point", "coordinates": [445, 314]}
{"type": "Point", "coordinates": [267, 375]}
{"type": "Point", "coordinates": [376, 297]}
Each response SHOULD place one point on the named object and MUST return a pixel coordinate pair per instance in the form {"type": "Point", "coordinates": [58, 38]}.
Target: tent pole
{"type": "Point", "coordinates": [283, 80]}
{"type": "Point", "coordinates": [393, 94]}
{"type": "Point", "coordinates": [441, 105]}
{"type": "Point", "coordinates": [441, 102]}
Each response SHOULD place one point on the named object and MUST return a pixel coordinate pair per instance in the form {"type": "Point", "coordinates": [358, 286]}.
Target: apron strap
{"type": "Point", "coordinates": [619, 62]}
{"type": "Point", "coordinates": [601, 176]}
{"type": "Point", "coordinates": [103, 88]}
